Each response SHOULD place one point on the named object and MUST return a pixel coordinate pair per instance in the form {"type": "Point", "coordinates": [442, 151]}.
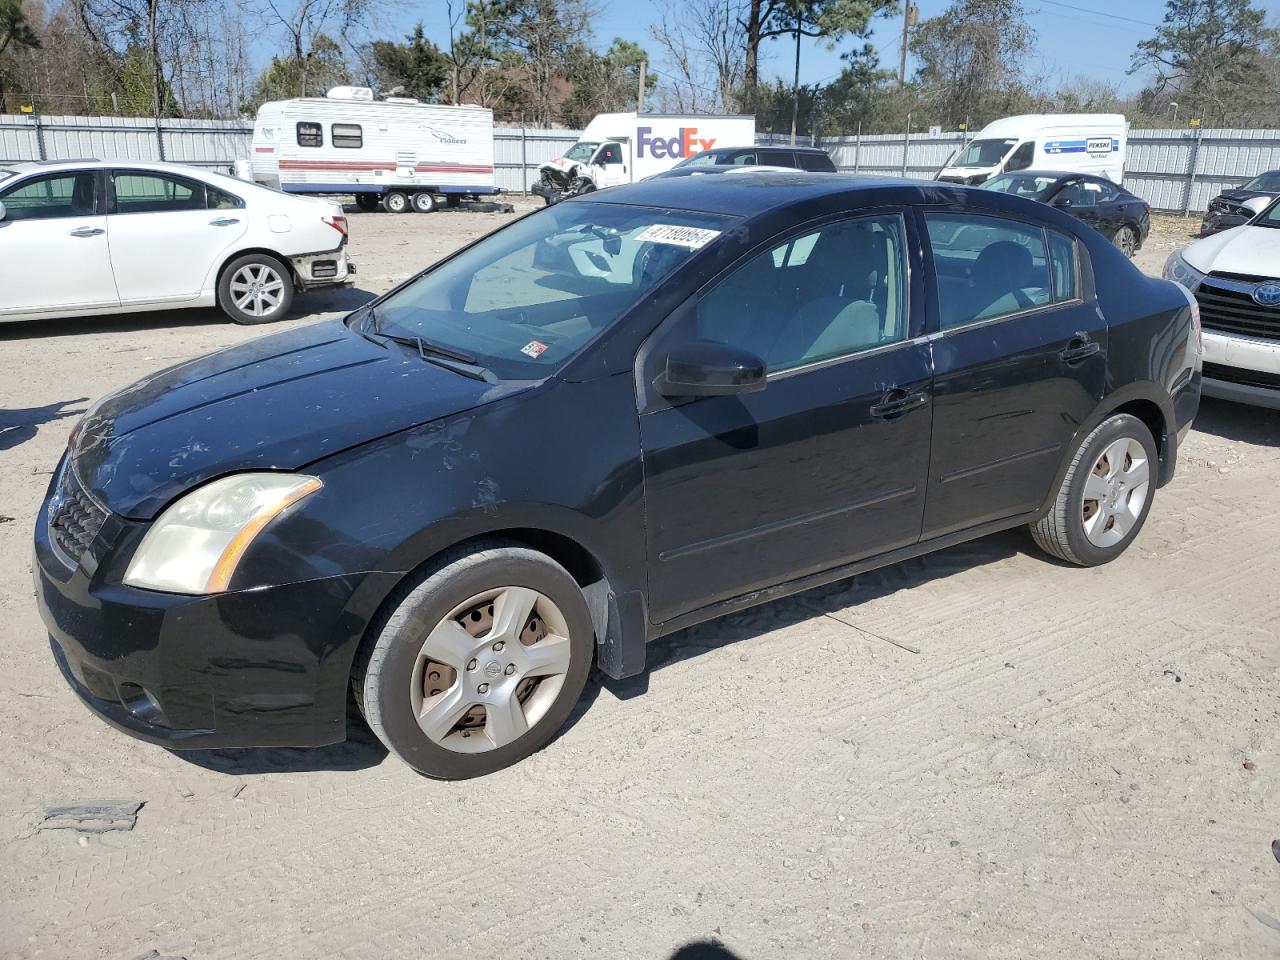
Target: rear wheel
{"type": "Point", "coordinates": [1105, 496]}
{"type": "Point", "coordinates": [1126, 241]}
{"type": "Point", "coordinates": [368, 201]}
{"type": "Point", "coordinates": [478, 663]}
{"type": "Point", "coordinates": [423, 202]}
{"type": "Point", "coordinates": [395, 201]}
{"type": "Point", "coordinates": [255, 288]}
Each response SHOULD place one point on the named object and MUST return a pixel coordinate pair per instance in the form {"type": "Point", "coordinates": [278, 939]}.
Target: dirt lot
{"type": "Point", "coordinates": [1077, 763]}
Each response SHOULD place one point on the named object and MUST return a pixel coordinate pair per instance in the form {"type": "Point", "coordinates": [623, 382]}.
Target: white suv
{"type": "Point", "coordinates": [93, 237]}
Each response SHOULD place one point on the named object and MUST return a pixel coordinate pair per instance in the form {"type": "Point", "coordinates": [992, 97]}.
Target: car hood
{"type": "Point", "coordinates": [1254, 251]}
{"type": "Point", "coordinates": [1240, 196]}
{"type": "Point", "coordinates": [277, 403]}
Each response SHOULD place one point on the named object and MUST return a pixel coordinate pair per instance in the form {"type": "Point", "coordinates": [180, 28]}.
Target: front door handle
{"type": "Point", "coordinates": [1080, 347]}
{"type": "Point", "coordinates": [223, 222]}
{"type": "Point", "coordinates": [897, 401]}
{"type": "Point", "coordinates": [87, 232]}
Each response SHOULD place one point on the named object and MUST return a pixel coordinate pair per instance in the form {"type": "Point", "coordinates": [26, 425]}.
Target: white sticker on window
{"type": "Point", "coordinates": [695, 238]}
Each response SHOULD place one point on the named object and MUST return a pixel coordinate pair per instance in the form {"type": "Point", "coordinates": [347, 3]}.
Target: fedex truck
{"type": "Point", "coordinates": [396, 153]}
{"type": "Point", "coordinates": [623, 147]}
{"type": "Point", "coordinates": [1070, 142]}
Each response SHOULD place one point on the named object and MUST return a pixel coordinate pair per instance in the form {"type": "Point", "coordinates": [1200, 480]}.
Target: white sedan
{"type": "Point", "coordinates": [1235, 277]}
{"type": "Point", "coordinates": [84, 237]}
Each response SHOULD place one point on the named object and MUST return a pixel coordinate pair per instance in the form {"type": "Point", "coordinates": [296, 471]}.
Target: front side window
{"type": "Point", "coordinates": [46, 198]}
{"type": "Point", "coordinates": [310, 135]}
{"type": "Point", "coordinates": [1022, 157]}
{"type": "Point", "coordinates": [347, 136]}
{"type": "Point", "coordinates": [820, 295]}
{"type": "Point", "coordinates": [984, 153]}
{"type": "Point", "coordinates": [525, 299]}
{"type": "Point", "coordinates": [156, 193]}
{"type": "Point", "coordinates": [987, 267]}
{"type": "Point", "coordinates": [610, 153]}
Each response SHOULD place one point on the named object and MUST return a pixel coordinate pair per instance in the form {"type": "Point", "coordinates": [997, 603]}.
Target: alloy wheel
{"type": "Point", "coordinates": [1115, 492]}
{"type": "Point", "coordinates": [257, 289]}
{"type": "Point", "coordinates": [490, 670]}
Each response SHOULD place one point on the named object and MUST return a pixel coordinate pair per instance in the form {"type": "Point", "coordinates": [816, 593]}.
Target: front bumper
{"type": "Point", "coordinates": [1216, 222]}
{"type": "Point", "coordinates": [1242, 369]}
{"type": "Point", "coordinates": [255, 668]}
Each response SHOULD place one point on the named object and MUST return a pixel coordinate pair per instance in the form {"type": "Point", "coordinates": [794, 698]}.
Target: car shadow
{"type": "Point", "coordinates": [820, 601]}
{"type": "Point", "coordinates": [1239, 421]}
{"type": "Point", "coordinates": [19, 425]}
{"type": "Point", "coordinates": [703, 950]}
{"type": "Point", "coordinates": [306, 306]}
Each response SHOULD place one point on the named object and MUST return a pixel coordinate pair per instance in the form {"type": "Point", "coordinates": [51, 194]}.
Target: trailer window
{"type": "Point", "coordinates": [347, 136]}
{"type": "Point", "coordinates": [310, 135]}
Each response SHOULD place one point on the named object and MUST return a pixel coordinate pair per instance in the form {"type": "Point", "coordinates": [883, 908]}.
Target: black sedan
{"type": "Point", "coordinates": [1228, 209]}
{"type": "Point", "coordinates": [813, 159]}
{"type": "Point", "coordinates": [1113, 211]}
{"type": "Point", "coordinates": [611, 419]}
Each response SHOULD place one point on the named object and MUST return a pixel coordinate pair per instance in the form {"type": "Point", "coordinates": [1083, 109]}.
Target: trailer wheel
{"type": "Point", "coordinates": [423, 202]}
{"type": "Point", "coordinates": [395, 201]}
{"type": "Point", "coordinates": [368, 201]}
{"type": "Point", "coordinates": [452, 200]}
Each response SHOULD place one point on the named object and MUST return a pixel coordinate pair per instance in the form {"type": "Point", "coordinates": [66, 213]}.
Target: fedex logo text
{"type": "Point", "coordinates": [685, 145]}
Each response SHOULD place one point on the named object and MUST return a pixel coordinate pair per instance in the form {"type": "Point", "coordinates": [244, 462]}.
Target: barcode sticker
{"type": "Point", "coordinates": [695, 238]}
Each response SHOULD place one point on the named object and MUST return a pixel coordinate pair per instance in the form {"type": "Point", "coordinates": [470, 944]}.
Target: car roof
{"type": "Point", "coordinates": [50, 166]}
{"type": "Point", "coordinates": [756, 191]}
{"type": "Point", "coordinates": [717, 151]}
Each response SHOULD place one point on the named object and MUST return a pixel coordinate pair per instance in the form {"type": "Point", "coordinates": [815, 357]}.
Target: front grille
{"type": "Point", "coordinates": [1227, 305]}
{"type": "Point", "coordinates": [76, 519]}
{"type": "Point", "coordinates": [1249, 378]}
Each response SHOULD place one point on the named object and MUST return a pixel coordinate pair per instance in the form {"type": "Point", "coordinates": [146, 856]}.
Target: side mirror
{"type": "Point", "coordinates": [1254, 205]}
{"type": "Point", "coordinates": [707, 369]}
{"type": "Point", "coordinates": [1063, 202]}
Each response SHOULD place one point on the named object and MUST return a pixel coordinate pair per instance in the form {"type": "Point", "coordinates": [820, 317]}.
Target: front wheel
{"type": "Point", "coordinates": [255, 289]}
{"type": "Point", "coordinates": [478, 663]}
{"type": "Point", "coordinates": [368, 202]}
{"type": "Point", "coordinates": [1126, 241]}
{"type": "Point", "coordinates": [395, 201]}
{"type": "Point", "coordinates": [1105, 496]}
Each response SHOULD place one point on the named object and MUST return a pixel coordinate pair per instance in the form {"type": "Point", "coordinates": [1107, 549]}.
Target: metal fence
{"type": "Point", "coordinates": [1177, 170]}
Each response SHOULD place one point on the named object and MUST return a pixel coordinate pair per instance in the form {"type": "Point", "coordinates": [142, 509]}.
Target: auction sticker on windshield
{"type": "Point", "coordinates": [534, 349]}
{"type": "Point", "coordinates": [695, 238]}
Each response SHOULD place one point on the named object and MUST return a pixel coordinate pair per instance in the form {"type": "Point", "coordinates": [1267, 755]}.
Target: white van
{"type": "Point", "coordinates": [1071, 142]}
{"type": "Point", "coordinates": [397, 153]}
{"type": "Point", "coordinates": [623, 147]}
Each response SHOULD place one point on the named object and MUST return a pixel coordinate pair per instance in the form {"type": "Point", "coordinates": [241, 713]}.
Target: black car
{"type": "Point", "coordinates": [608, 420]}
{"type": "Point", "coordinates": [813, 159]}
{"type": "Point", "coordinates": [1113, 211]}
{"type": "Point", "coordinates": [1228, 209]}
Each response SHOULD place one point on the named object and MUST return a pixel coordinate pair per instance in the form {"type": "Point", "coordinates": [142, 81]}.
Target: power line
{"type": "Point", "coordinates": [1100, 13]}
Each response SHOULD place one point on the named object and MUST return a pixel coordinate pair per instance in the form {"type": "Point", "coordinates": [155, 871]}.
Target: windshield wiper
{"type": "Point", "coordinates": [442, 357]}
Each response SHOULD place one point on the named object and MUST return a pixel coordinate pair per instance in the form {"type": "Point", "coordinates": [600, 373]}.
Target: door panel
{"type": "Point", "coordinates": [53, 245]}
{"type": "Point", "coordinates": [164, 241]}
{"type": "Point", "coordinates": [1009, 390]}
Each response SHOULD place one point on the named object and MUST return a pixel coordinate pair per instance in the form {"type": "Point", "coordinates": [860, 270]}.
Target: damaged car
{"type": "Point", "coordinates": [609, 420]}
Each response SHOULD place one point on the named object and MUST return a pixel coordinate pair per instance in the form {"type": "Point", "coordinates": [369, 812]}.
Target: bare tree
{"type": "Point", "coordinates": [705, 53]}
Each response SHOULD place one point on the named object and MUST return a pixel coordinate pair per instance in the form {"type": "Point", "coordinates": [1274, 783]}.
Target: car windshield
{"type": "Point", "coordinates": [1270, 217]}
{"type": "Point", "coordinates": [984, 153]}
{"type": "Point", "coordinates": [1268, 182]}
{"type": "Point", "coordinates": [525, 299]}
{"type": "Point", "coordinates": [704, 159]}
{"type": "Point", "coordinates": [1021, 185]}
{"type": "Point", "coordinates": [582, 151]}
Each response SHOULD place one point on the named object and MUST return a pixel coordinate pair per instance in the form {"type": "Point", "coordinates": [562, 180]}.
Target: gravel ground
{"type": "Point", "coordinates": [1077, 763]}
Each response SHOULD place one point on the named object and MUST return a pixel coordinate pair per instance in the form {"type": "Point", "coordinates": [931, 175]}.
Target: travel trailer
{"type": "Point", "coordinates": [396, 153]}
{"type": "Point", "coordinates": [1067, 142]}
{"type": "Point", "coordinates": [622, 147]}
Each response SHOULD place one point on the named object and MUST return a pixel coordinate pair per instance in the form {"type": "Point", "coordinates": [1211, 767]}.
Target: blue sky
{"type": "Point", "coordinates": [1092, 37]}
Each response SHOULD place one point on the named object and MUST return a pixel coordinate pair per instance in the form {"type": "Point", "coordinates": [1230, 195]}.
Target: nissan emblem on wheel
{"type": "Point", "coordinates": [611, 419]}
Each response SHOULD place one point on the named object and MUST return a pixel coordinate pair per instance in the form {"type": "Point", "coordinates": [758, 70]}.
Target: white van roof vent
{"type": "Point", "coordinates": [349, 93]}
{"type": "Point", "coordinates": [401, 100]}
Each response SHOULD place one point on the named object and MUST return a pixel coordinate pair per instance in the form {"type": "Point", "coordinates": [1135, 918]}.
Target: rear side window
{"type": "Point", "coordinates": [776, 158]}
{"type": "Point", "coordinates": [346, 136]}
{"type": "Point", "coordinates": [1066, 272]}
{"type": "Point", "coordinates": [746, 159]}
{"type": "Point", "coordinates": [987, 267]}
{"type": "Point", "coordinates": [221, 200]}
{"type": "Point", "coordinates": [816, 162]}
{"type": "Point", "coordinates": [47, 198]}
{"type": "Point", "coordinates": [310, 135]}
{"type": "Point", "coordinates": [155, 193]}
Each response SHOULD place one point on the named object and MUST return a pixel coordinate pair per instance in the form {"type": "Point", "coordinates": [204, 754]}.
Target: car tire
{"type": "Point", "coordinates": [255, 288]}
{"type": "Point", "coordinates": [424, 202]}
{"type": "Point", "coordinates": [368, 202]}
{"type": "Point", "coordinates": [452, 200]}
{"type": "Point", "coordinates": [460, 729]}
{"type": "Point", "coordinates": [1126, 241]}
{"type": "Point", "coordinates": [1105, 496]}
{"type": "Point", "coordinates": [395, 201]}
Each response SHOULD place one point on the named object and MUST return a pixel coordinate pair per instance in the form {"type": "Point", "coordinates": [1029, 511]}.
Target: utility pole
{"type": "Point", "coordinates": [795, 84]}
{"type": "Point", "coordinates": [640, 91]}
{"type": "Point", "coordinates": [910, 15]}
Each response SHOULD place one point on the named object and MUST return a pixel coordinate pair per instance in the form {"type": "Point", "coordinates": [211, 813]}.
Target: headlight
{"type": "Point", "coordinates": [1178, 270]}
{"type": "Point", "coordinates": [196, 544]}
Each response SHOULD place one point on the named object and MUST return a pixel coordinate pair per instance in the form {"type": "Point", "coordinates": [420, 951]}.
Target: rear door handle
{"type": "Point", "coordinates": [223, 222]}
{"type": "Point", "coordinates": [897, 401]}
{"type": "Point", "coordinates": [87, 232]}
{"type": "Point", "coordinates": [1080, 347]}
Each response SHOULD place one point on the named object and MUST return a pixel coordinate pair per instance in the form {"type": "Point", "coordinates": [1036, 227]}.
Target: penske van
{"type": "Point", "coordinates": [619, 148]}
{"type": "Point", "coordinates": [1070, 142]}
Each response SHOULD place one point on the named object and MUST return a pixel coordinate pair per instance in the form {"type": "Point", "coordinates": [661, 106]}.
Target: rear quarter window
{"type": "Point", "coordinates": [816, 162]}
